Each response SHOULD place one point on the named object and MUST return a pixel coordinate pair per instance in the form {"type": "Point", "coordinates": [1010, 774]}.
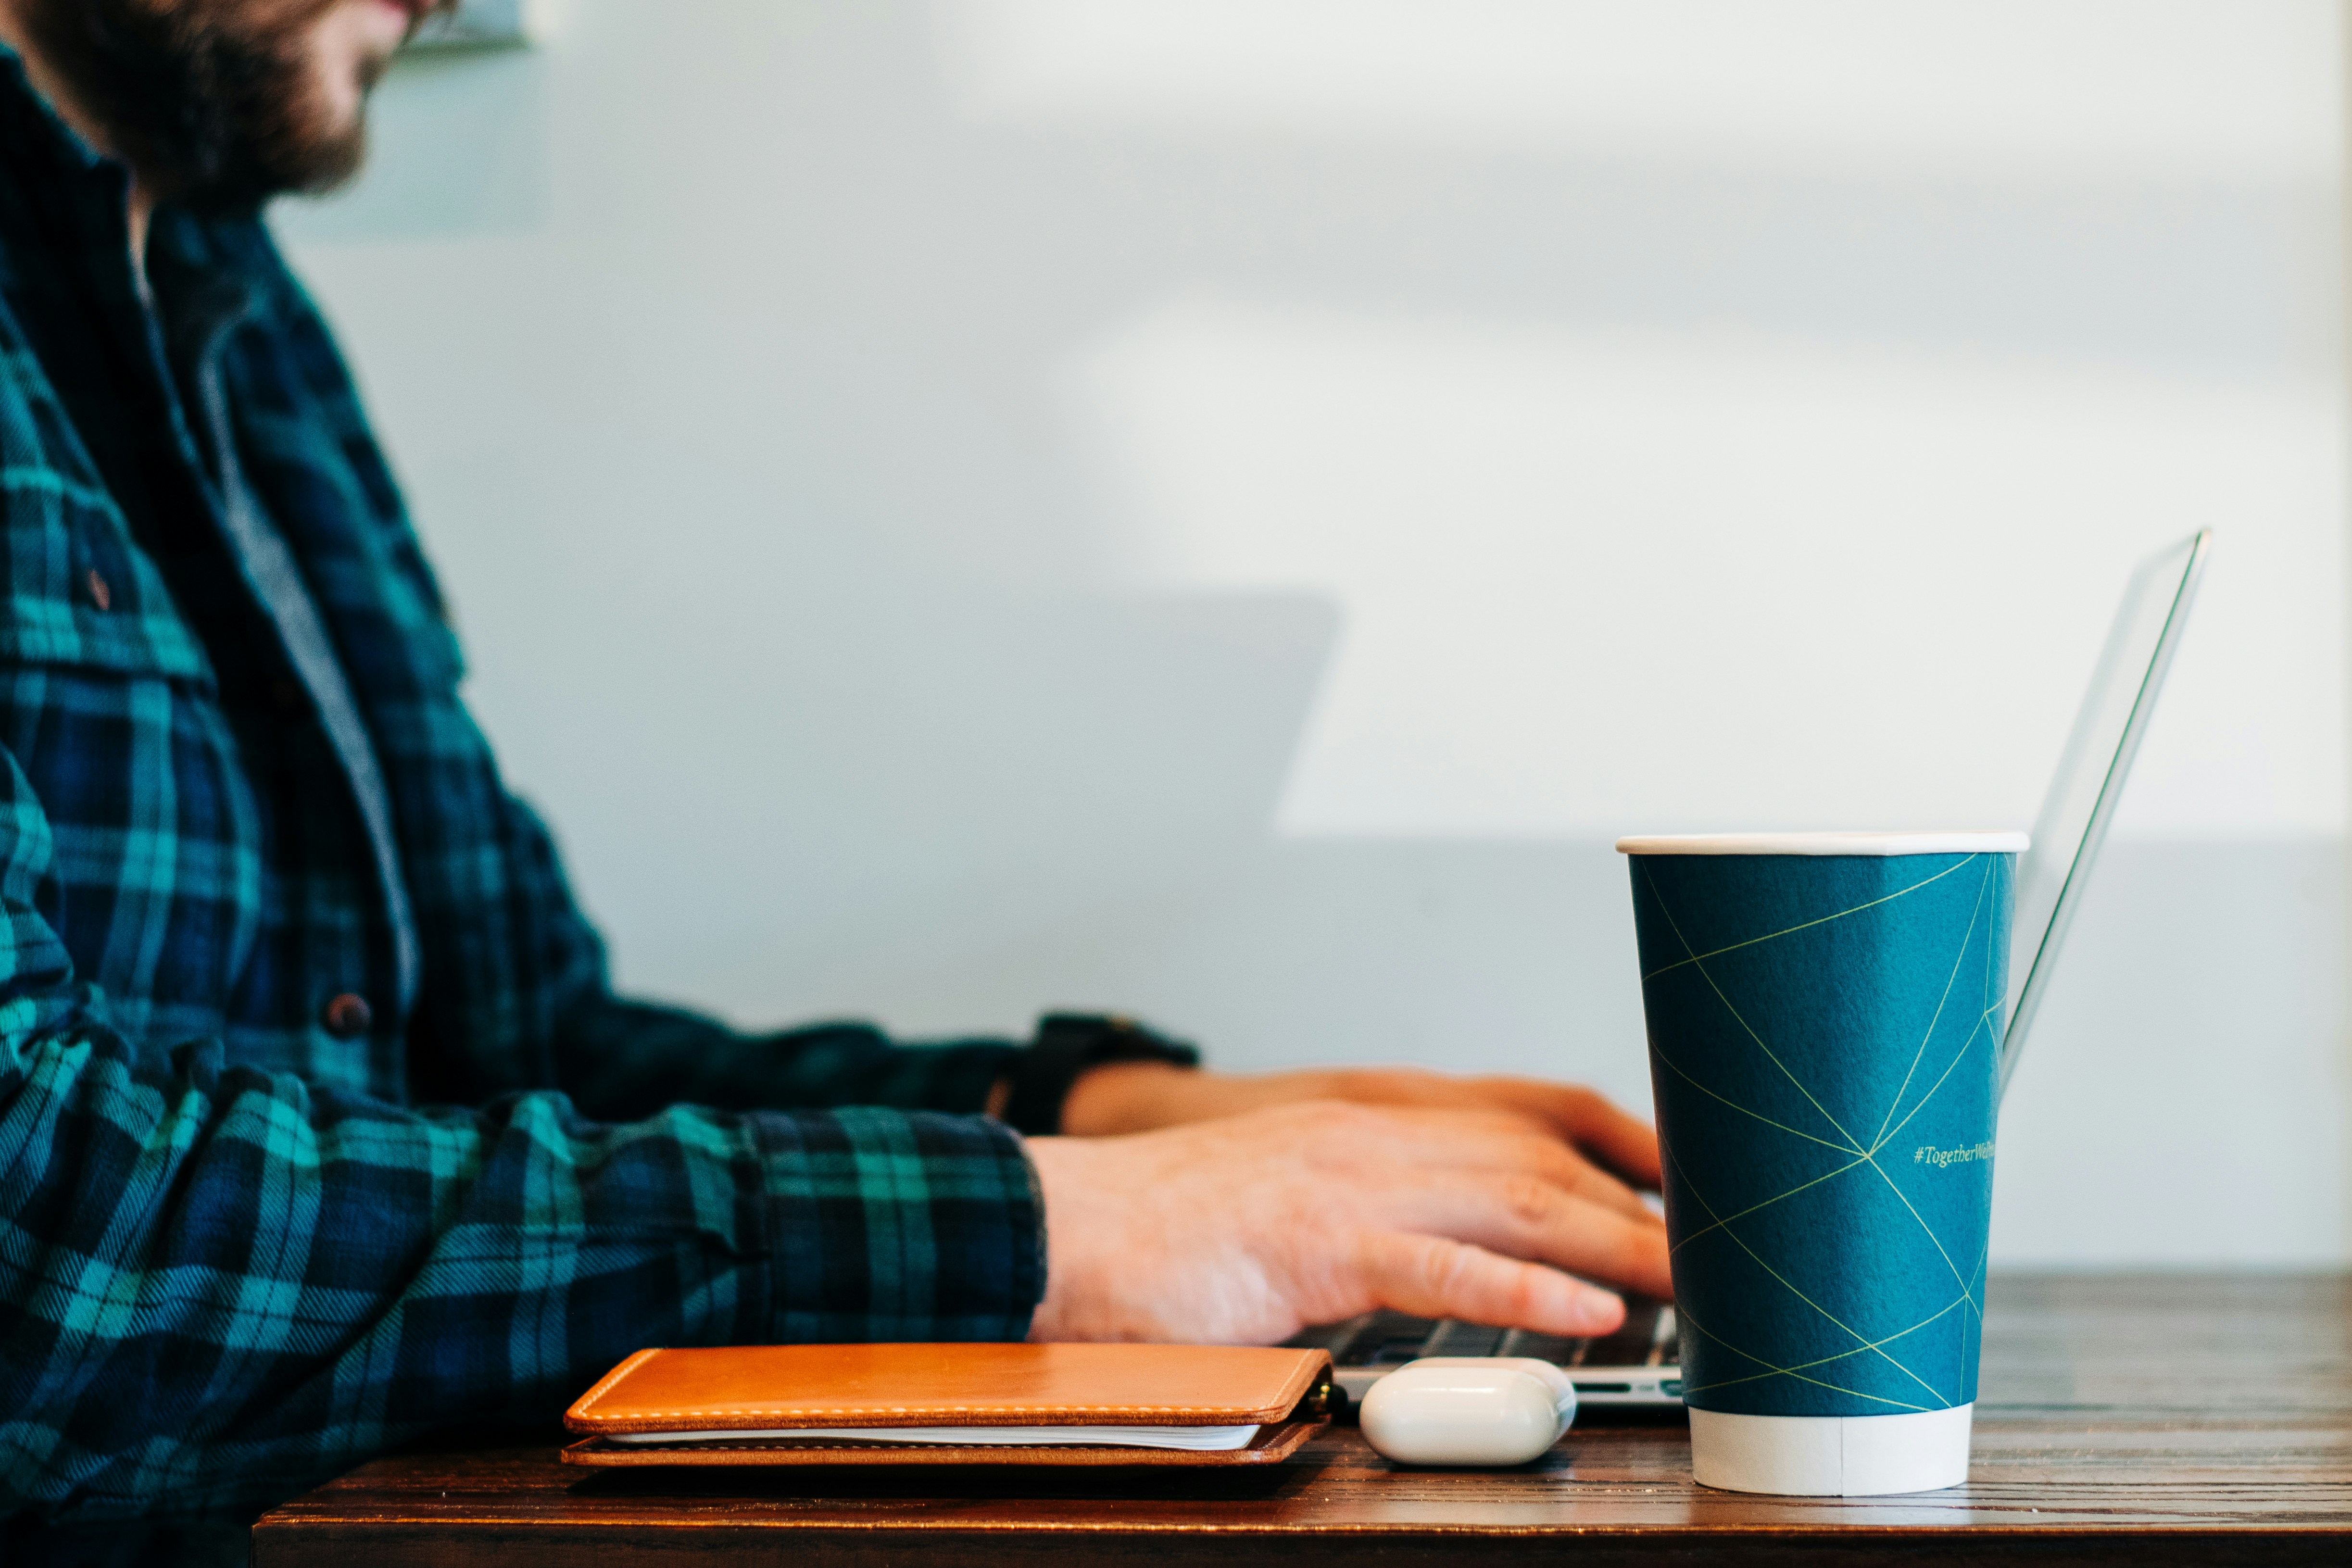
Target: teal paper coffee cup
{"type": "Point", "coordinates": [1825, 1014]}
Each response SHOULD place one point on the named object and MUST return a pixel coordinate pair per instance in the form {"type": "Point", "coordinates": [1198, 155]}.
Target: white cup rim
{"type": "Point", "coordinates": [1826, 843]}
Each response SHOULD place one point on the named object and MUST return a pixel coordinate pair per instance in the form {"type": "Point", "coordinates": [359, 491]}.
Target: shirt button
{"type": "Point", "coordinates": [100, 594]}
{"type": "Point", "coordinates": [347, 1015]}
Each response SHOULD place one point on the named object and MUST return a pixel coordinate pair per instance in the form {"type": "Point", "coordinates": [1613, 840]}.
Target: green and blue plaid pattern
{"type": "Point", "coordinates": [247, 1239]}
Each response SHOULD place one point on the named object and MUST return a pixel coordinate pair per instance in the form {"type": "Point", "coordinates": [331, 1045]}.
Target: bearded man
{"type": "Point", "coordinates": [320, 1126]}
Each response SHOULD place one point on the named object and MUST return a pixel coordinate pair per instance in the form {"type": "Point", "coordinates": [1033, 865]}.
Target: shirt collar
{"type": "Point", "coordinates": [27, 102]}
{"type": "Point", "coordinates": [213, 280]}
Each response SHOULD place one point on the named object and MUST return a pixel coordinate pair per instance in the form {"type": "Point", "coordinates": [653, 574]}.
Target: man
{"type": "Point", "coordinates": [320, 1125]}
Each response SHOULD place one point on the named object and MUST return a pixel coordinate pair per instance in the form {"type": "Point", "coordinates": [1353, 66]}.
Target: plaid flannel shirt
{"type": "Point", "coordinates": [320, 1126]}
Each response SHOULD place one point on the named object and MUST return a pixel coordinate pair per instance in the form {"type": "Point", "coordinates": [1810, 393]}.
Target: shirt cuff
{"type": "Point", "coordinates": [900, 1226]}
{"type": "Point", "coordinates": [1066, 1045]}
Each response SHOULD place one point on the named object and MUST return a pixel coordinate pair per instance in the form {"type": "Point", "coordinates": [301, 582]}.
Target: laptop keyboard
{"type": "Point", "coordinates": [1641, 1353]}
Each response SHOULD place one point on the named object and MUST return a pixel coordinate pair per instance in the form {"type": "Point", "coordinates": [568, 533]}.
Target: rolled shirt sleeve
{"type": "Point", "coordinates": [219, 1285]}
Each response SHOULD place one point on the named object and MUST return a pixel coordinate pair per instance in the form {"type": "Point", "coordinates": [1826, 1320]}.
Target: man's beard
{"type": "Point", "coordinates": [215, 102]}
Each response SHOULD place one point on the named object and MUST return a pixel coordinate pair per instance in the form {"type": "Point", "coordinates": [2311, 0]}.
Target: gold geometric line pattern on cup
{"type": "Point", "coordinates": [1860, 1338]}
{"type": "Point", "coordinates": [1976, 1284]}
{"type": "Point", "coordinates": [1716, 1224]}
{"type": "Point", "coordinates": [1803, 1367]}
{"type": "Point", "coordinates": [1806, 926]}
{"type": "Point", "coordinates": [1851, 1146]}
{"type": "Point", "coordinates": [1798, 1371]}
{"type": "Point", "coordinates": [1931, 1229]}
{"type": "Point", "coordinates": [1798, 1374]}
{"type": "Point", "coordinates": [1937, 1316]}
{"type": "Point", "coordinates": [1928, 1230]}
{"type": "Point", "coordinates": [1896, 1130]}
{"type": "Point", "coordinates": [1783, 1126]}
{"type": "Point", "coordinates": [1997, 1002]}
{"type": "Point", "coordinates": [1872, 1157]}
{"type": "Point", "coordinates": [1968, 1286]}
{"type": "Point", "coordinates": [1957, 1057]}
{"type": "Point", "coordinates": [1950, 980]}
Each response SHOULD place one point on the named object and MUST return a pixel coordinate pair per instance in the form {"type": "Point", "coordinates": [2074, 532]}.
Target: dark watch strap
{"type": "Point", "coordinates": [1066, 1045]}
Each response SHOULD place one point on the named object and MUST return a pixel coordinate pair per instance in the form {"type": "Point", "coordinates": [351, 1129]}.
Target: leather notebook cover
{"type": "Point", "coordinates": [766, 1389]}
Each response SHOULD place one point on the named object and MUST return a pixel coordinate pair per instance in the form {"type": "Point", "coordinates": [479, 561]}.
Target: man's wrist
{"type": "Point", "coordinates": [1071, 1047]}
{"type": "Point", "coordinates": [1123, 1096]}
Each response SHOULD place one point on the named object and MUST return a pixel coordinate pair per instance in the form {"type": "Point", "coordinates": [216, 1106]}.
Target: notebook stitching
{"type": "Point", "coordinates": [926, 1410]}
{"type": "Point", "coordinates": [848, 1447]}
{"type": "Point", "coordinates": [605, 1384]}
{"type": "Point", "coordinates": [579, 1410]}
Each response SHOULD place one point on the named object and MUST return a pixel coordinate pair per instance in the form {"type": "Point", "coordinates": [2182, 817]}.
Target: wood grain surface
{"type": "Point", "coordinates": [2121, 1419]}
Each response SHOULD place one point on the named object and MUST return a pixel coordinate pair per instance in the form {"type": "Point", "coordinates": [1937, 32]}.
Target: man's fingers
{"type": "Point", "coordinates": [1583, 1122]}
{"type": "Point", "coordinates": [1623, 1142]}
{"type": "Point", "coordinates": [1522, 1216]}
{"type": "Point", "coordinates": [1563, 1167]}
{"type": "Point", "coordinates": [1589, 1181]}
{"type": "Point", "coordinates": [1501, 1141]}
{"type": "Point", "coordinates": [1431, 1277]}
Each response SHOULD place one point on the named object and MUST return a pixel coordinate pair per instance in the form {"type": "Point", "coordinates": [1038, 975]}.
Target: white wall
{"type": "Point", "coordinates": [1223, 508]}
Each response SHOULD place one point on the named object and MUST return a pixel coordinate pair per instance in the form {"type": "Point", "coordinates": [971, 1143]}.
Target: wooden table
{"type": "Point", "coordinates": [2122, 1419]}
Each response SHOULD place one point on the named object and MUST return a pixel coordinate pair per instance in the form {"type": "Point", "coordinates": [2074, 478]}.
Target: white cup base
{"type": "Point", "coordinates": [1831, 1456]}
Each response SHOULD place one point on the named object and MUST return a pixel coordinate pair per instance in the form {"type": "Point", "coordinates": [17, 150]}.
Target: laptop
{"type": "Point", "coordinates": [1638, 1365]}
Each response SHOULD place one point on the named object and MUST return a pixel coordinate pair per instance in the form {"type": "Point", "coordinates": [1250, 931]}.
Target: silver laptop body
{"type": "Point", "coordinates": [1638, 1365]}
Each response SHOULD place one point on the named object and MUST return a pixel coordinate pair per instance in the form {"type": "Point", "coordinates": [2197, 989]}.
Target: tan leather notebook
{"type": "Point", "coordinates": [953, 1404]}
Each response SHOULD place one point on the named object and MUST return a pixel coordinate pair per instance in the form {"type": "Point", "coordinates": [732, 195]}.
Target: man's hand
{"type": "Point", "coordinates": [1244, 1229]}
{"type": "Point", "coordinates": [1135, 1096]}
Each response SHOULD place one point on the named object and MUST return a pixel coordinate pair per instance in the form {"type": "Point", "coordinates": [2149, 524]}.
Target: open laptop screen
{"type": "Point", "coordinates": [2091, 770]}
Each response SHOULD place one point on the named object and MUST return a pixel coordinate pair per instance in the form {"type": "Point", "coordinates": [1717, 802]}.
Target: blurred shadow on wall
{"type": "Point", "coordinates": [971, 779]}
